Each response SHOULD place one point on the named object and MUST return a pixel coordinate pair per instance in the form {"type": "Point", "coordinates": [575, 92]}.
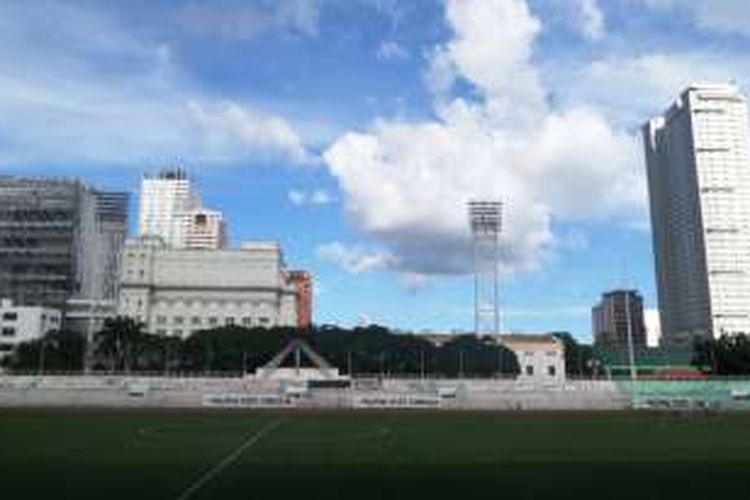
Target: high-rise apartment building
{"type": "Point", "coordinates": [60, 243]}
{"type": "Point", "coordinates": [699, 185]}
{"type": "Point", "coordinates": [171, 208]}
{"type": "Point", "coordinates": [618, 316]}
{"type": "Point", "coordinates": [203, 229]}
{"type": "Point", "coordinates": [163, 201]}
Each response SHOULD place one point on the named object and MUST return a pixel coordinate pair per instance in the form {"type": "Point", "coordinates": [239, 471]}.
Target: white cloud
{"type": "Point", "coordinates": [592, 19]}
{"type": "Point", "coordinates": [630, 89]}
{"type": "Point", "coordinates": [416, 282]}
{"type": "Point", "coordinates": [390, 50]}
{"type": "Point", "coordinates": [237, 19]}
{"type": "Point", "coordinates": [407, 183]}
{"type": "Point", "coordinates": [550, 312]}
{"type": "Point", "coordinates": [88, 90]}
{"type": "Point", "coordinates": [297, 198]}
{"type": "Point", "coordinates": [355, 259]}
{"type": "Point", "coordinates": [727, 16]}
{"type": "Point", "coordinates": [317, 197]}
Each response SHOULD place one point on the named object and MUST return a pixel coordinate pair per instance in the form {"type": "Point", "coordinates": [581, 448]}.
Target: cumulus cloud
{"type": "Point", "coordinates": [76, 86]}
{"type": "Point", "coordinates": [355, 259]}
{"type": "Point", "coordinates": [628, 89]}
{"type": "Point", "coordinates": [407, 183]}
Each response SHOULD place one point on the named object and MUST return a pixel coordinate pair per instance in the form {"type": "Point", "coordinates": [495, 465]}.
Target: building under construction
{"type": "Point", "coordinates": [60, 243]}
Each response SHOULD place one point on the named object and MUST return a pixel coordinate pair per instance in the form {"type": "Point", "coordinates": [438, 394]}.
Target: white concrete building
{"type": "Point", "coordinates": [203, 229]}
{"type": "Point", "coordinates": [179, 291]}
{"type": "Point", "coordinates": [163, 201]}
{"type": "Point", "coordinates": [541, 358]}
{"type": "Point", "coordinates": [699, 185]}
{"type": "Point", "coordinates": [20, 324]}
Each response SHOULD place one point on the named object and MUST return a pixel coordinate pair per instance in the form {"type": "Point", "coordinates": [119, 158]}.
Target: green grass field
{"type": "Point", "coordinates": [173, 455]}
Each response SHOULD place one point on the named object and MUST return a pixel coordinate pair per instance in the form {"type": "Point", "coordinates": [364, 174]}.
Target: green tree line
{"type": "Point", "coordinates": [123, 345]}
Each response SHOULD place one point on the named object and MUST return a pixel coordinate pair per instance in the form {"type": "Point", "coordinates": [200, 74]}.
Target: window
{"type": "Point", "coordinates": [10, 316]}
{"type": "Point", "coordinates": [161, 320]}
{"type": "Point", "coordinates": [213, 320]}
{"type": "Point", "coordinates": [6, 347]}
{"type": "Point", "coordinates": [551, 371]}
{"type": "Point", "coordinates": [161, 332]}
{"type": "Point", "coordinates": [229, 321]}
{"type": "Point", "coordinates": [178, 320]}
{"type": "Point", "coordinates": [177, 333]}
{"type": "Point", "coordinates": [196, 320]}
{"type": "Point", "coordinates": [529, 370]}
{"type": "Point", "coordinates": [8, 331]}
{"type": "Point", "coordinates": [247, 321]}
{"type": "Point", "coordinates": [263, 320]}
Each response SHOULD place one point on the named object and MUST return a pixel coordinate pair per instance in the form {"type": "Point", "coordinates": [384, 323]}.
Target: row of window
{"type": "Point", "coordinates": [532, 353]}
{"type": "Point", "coordinates": [13, 316]}
{"type": "Point", "coordinates": [551, 370]}
{"type": "Point", "coordinates": [213, 320]}
{"type": "Point", "coordinates": [239, 304]}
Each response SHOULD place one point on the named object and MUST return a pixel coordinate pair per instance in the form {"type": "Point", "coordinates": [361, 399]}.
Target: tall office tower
{"type": "Point", "coordinates": [203, 229]}
{"type": "Point", "coordinates": [699, 187]}
{"type": "Point", "coordinates": [164, 200]}
{"type": "Point", "coordinates": [60, 242]}
{"type": "Point", "coordinates": [617, 317]}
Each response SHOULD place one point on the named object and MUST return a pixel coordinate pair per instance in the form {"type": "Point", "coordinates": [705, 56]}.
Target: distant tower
{"type": "Point", "coordinates": [486, 225]}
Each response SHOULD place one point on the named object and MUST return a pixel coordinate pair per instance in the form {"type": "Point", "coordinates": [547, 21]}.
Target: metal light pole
{"type": "Point", "coordinates": [485, 218]}
{"type": "Point", "coordinates": [631, 350]}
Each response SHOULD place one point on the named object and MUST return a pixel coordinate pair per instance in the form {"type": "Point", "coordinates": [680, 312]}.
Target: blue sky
{"type": "Point", "coordinates": [354, 131]}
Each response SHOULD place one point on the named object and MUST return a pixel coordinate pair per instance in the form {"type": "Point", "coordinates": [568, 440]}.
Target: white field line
{"type": "Point", "coordinates": [234, 455]}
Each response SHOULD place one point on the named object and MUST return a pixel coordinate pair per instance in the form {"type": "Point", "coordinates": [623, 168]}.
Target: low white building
{"type": "Point", "coordinates": [177, 292]}
{"type": "Point", "coordinates": [540, 357]}
{"type": "Point", "coordinates": [20, 324]}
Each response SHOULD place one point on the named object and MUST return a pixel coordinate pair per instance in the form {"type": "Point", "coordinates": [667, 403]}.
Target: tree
{"type": "Point", "coordinates": [728, 355]}
{"type": "Point", "coordinates": [124, 345]}
{"type": "Point", "coordinates": [579, 358]}
{"type": "Point", "coordinates": [57, 350]}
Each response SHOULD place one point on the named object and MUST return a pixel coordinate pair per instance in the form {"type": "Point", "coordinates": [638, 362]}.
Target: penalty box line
{"type": "Point", "coordinates": [228, 460]}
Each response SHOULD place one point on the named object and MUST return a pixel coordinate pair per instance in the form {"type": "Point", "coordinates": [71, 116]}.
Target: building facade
{"type": "Point", "coordinates": [164, 198]}
{"type": "Point", "coordinates": [60, 243]}
{"type": "Point", "coordinates": [302, 283]}
{"type": "Point", "coordinates": [541, 358]}
{"type": "Point", "coordinates": [618, 315]}
{"type": "Point", "coordinates": [20, 324]}
{"type": "Point", "coordinates": [203, 229]}
{"type": "Point", "coordinates": [171, 208]}
{"type": "Point", "coordinates": [177, 292]}
{"type": "Point", "coordinates": [699, 186]}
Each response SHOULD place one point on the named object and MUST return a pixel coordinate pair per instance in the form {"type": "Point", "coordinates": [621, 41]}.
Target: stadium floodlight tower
{"type": "Point", "coordinates": [486, 225]}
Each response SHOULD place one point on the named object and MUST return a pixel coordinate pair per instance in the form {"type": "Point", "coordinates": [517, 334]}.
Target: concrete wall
{"type": "Point", "coordinates": [118, 391]}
